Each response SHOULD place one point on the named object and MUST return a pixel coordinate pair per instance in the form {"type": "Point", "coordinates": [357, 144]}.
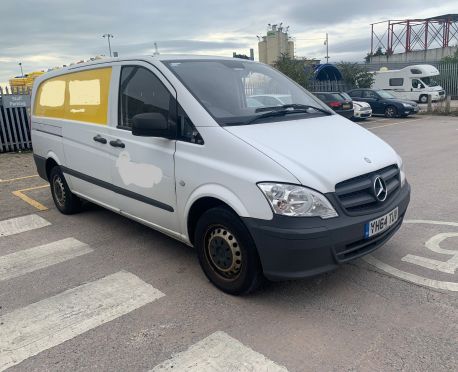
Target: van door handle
{"type": "Point", "coordinates": [117, 143]}
{"type": "Point", "coordinates": [99, 138]}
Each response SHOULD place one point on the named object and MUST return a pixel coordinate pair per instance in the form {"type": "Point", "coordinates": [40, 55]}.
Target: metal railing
{"type": "Point", "coordinates": [14, 121]}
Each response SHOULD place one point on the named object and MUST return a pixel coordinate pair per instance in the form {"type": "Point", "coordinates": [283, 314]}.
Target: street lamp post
{"type": "Point", "coordinates": [326, 42]}
{"type": "Point", "coordinates": [20, 65]}
{"type": "Point", "coordinates": [108, 36]}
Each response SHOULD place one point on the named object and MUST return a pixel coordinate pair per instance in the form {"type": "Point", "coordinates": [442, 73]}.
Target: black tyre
{"type": "Point", "coordinates": [65, 201]}
{"type": "Point", "coordinates": [424, 98]}
{"type": "Point", "coordinates": [391, 112]}
{"type": "Point", "coordinates": [227, 253]}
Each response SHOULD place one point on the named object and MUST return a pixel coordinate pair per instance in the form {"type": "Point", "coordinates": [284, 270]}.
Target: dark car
{"type": "Point", "coordinates": [384, 103]}
{"type": "Point", "coordinates": [339, 103]}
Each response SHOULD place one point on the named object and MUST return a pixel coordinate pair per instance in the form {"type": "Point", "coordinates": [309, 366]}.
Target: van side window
{"type": "Point", "coordinates": [187, 132]}
{"type": "Point", "coordinates": [140, 91]}
{"type": "Point", "coordinates": [396, 82]}
{"type": "Point", "coordinates": [417, 84]}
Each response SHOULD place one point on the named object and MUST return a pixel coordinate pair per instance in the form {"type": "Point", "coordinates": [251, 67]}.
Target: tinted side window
{"type": "Point", "coordinates": [396, 82]}
{"type": "Point", "coordinates": [355, 93]}
{"type": "Point", "coordinates": [140, 91]}
{"type": "Point", "coordinates": [369, 94]}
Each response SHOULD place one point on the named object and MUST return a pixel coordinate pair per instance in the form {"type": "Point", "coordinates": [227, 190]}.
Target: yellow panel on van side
{"type": "Point", "coordinates": [81, 96]}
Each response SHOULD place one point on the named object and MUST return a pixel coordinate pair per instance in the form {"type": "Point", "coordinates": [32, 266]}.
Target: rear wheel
{"type": "Point", "coordinates": [65, 201]}
{"type": "Point", "coordinates": [227, 253]}
{"type": "Point", "coordinates": [391, 112]}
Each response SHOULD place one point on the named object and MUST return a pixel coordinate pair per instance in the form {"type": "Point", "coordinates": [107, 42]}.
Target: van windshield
{"type": "Point", "coordinates": [237, 92]}
{"type": "Point", "coordinates": [430, 82]}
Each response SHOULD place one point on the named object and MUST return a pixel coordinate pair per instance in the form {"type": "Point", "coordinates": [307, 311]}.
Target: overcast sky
{"type": "Point", "coordinates": [47, 33]}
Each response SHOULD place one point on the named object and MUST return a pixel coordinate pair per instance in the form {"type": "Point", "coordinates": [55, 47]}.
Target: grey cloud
{"type": "Point", "coordinates": [72, 30]}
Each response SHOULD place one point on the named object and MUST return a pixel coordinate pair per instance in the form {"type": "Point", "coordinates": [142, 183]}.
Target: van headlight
{"type": "Point", "coordinates": [296, 201]}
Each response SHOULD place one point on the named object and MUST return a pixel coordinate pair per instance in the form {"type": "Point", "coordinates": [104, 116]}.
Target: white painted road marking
{"type": "Point", "coordinates": [432, 283]}
{"type": "Point", "coordinates": [21, 224]}
{"type": "Point", "coordinates": [37, 327]}
{"type": "Point", "coordinates": [395, 123]}
{"type": "Point", "coordinates": [26, 261]}
{"type": "Point", "coordinates": [219, 352]}
{"type": "Point", "coordinates": [433, 244]}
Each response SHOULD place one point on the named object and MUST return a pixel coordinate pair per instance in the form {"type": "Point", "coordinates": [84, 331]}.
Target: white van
{"type": "Point", "coordinates": [413, 83]}
{"type": "Point", "coordinates": [283, 191]}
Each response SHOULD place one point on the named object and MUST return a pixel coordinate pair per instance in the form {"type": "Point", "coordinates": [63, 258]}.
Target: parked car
{"type": "Point", "coordinates": [363, 110]}
{"type": "Point", "coordinates": [272, 99]}
{"type": "Point", "coordinates": [384, 103]}
{"type": "Point", "coordinates": [340, 104]}
{"type": "Point", "coordinates": [169, 141]}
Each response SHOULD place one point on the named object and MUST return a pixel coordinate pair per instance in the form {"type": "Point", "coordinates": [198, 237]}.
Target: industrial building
{"type": "Point", "coordinates": [274, 44]}
{"type": "Point", "coordinates": [414, 40]}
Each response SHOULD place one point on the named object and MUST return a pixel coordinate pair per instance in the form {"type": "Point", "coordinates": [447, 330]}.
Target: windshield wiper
{"type": "Point", "coordinates": [292, 106]}
{"type": "Point", "coordinates": [276, 113]}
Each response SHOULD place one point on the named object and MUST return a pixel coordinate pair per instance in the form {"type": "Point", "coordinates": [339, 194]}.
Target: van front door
{"type": "Point", "coordinates": [143, 167]}
{"type": "Point", "coordinates": [416, 90]}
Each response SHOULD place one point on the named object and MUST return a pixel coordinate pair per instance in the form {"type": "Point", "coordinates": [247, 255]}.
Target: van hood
{"type": "Point", "coordinates": [319, 152]}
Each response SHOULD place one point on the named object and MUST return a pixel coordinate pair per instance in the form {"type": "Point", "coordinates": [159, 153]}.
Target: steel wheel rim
{"type": "Point", "coordinates": [223, 253]}
{"type": "Point", "coordinates": [59, 191]}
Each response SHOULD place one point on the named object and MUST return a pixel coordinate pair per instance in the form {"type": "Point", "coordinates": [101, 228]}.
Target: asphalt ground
{"type": "Point", "coordinates": [122, 297]}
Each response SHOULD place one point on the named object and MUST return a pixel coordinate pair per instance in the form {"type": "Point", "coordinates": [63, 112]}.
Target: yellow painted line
{"type": "Point", "coordinates": [20, 194]}
{"type": "Point", "coordinates": [18, 178]}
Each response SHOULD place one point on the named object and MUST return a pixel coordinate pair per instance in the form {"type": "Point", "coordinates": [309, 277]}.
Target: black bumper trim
{"type": "Point", "coordinates": [297, 247]}
{"type": "Point", "coordinates": [40, 163]}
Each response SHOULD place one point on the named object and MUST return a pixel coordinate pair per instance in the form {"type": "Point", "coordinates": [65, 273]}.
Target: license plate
{"type": "Point", "coordinates": [380, 224]}
{"type": "Point", "coordinates": [345, 106]}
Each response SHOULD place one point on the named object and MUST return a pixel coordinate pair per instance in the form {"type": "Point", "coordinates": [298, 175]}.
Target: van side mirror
{"type": "Point", "coordinates": [150, 124]}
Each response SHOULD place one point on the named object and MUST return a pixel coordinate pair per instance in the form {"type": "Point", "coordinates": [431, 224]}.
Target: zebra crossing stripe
{"type": "Point", "coordinates": [219, 352]}
{"type": "Point", "coordinates": [21, 224]}
{"type": "Point", "coordinates": [29, 260]}
{"type": "Point", "coordinates": [42, 325]}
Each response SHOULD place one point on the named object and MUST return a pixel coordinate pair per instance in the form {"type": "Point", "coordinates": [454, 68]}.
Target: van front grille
{"type": "Point", "coordinates": [356, 195]}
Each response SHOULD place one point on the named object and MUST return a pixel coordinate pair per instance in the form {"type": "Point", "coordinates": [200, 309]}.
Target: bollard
{"type": "Point", "coordinates": [447, 104]}
{"type": "Point", "coordinates": [430, 101]}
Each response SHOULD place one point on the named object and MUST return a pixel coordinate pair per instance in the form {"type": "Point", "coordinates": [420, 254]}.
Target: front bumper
{"type": "Point", "coordinates": [346, 113]}
{"type": "Point", "coordinates": [410, 110]}
{"type": "Point", "coordinates": [298, 247]}
{"type": "Point", "coordinates": [363, 114]}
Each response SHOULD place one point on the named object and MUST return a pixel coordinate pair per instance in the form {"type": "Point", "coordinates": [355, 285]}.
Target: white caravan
{"type": "Point", "coordinates": [274, 190]}
{"type": "Point", "coordinates": [414, 83]}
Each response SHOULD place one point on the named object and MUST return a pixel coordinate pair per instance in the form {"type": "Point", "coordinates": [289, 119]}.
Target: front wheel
{"type": "Point", "coordinates": [391, 112]}
{"type": "Point", "coordinates": [423, 98]}
{"type": "Point", "coordinates": [227, 253]}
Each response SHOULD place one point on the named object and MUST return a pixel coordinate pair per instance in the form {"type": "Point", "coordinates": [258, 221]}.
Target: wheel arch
{"type": "Point", "coordinates": [207, 197]}
{"type": "Point", "coordinates": [51, 161]}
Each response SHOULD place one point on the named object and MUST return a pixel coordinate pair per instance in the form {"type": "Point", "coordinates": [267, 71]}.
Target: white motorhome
{"type": "Point", "coordinates": [279, 191]}
{"type": "Point", "coordinates": [414, 83]}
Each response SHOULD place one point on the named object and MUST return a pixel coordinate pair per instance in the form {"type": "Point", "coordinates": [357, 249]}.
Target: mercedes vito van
{"type": "Point", "coordinates": [261, 191]}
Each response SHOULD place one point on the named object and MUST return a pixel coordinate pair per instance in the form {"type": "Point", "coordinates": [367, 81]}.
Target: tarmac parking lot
{"type": "Point", "coordinates": [96, 291]}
